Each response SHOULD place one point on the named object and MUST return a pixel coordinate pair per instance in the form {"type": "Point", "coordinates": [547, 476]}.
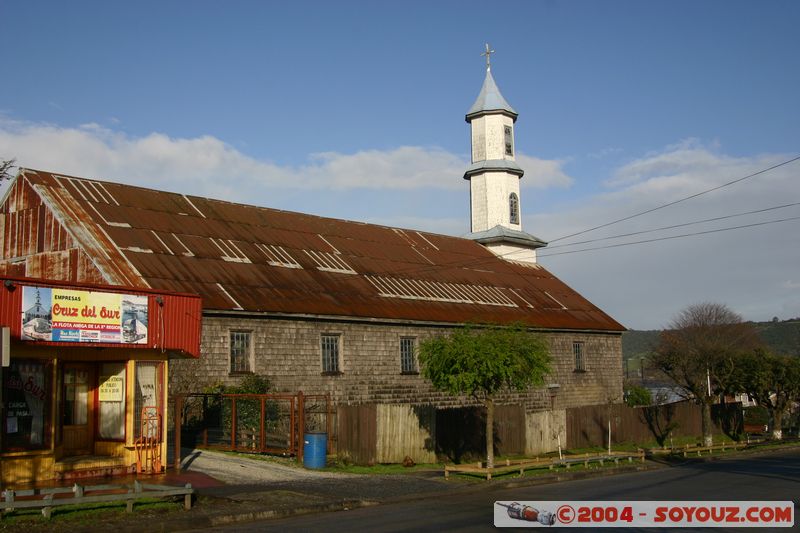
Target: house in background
{"type": "Point", "coordinates": [325, 305]}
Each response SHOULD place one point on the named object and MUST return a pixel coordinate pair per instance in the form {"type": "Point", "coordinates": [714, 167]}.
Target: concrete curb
{"type": "Point", "coordinates": [345, 505]}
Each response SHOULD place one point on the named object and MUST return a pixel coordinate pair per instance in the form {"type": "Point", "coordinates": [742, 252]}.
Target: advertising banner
{"type": "Point", "coordinates": [67, 315]}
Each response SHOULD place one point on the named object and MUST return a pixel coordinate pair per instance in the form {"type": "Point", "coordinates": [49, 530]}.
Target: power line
{"type": "Point", "coordinates": [675, 226]}
{"type": "Point", "coordinates": [773, 167]}
{"type": "Point", "coordinates": [672, 237]}
{"type": "Point", "coordinates": [474, 263]}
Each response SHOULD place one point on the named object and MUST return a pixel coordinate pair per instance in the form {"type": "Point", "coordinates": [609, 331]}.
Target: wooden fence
{"type": "Point", "coordinates": [357, 429]}
{"type": "Point", "coordinates": [370, 433]}
{"type": "Point", "coordinates": [47, 498]}
{"type": "Point", "coordinates": [587, 426]}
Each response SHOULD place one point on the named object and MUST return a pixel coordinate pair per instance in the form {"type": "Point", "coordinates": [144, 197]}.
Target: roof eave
{"type": "Point", "coordinates": [482, 112]}
{"type": "Point", "coordinates": [494, 165]}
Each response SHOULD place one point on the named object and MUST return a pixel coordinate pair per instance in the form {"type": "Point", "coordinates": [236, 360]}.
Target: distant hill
{"type": "Point", "coordinates": [782, 337]}
{"type": "Point", "coordinates": [636, 344]}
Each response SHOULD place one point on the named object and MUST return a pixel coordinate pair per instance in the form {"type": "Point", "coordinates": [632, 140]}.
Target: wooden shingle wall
{"type": "Point", "coordinates": [288, 353]}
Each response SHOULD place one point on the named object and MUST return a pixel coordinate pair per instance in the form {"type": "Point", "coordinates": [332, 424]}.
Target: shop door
{"type": "Point", "coordinates": [78, 409]}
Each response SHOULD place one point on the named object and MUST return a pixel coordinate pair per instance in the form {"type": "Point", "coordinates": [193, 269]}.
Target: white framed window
{"type": "Point", "coordinates": [111, 395]}
{"type": "Point", "coordinates": [579, 354]}
{"type": "Point", "coordinates": [513, 208]}
{"type": "Point", "coordinates": [408, 355]}
{"type": "Point", "coordinates": [241, 352]}
{"type": "Point", "coordinates": [509, 140]}
{"type": "Point", "coordinates": [329, 345]}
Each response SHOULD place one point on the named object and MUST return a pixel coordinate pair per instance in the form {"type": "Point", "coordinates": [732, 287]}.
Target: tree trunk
{"type": "Point", "coordinates": [707, 425]}
{"type": "Point", "coordinates": [489, 433]}
{"type": "Point", "coordinates": [776, 421]}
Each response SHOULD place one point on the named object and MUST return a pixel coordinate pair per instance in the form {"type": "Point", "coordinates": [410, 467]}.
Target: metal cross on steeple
{"type": "Point", "coordinates": [488, 54]}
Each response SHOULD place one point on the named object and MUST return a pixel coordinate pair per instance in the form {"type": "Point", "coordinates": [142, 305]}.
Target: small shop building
{"type": "Point", "coordinates": [84, 377]}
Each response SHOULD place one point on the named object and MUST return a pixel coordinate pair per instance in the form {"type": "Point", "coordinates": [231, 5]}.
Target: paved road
{"type": "Point", "coordinates": [774, 476]}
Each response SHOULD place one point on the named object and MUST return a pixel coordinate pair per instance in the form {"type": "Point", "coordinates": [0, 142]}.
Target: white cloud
{"type": "Point", "coordinates": [644, 285]}
{"type": "Point", "coordinates": [211, 167]}
{"type": "Point", "coordinates": [687, 156]}
{"type": "Point", "coordinates": [543, 173]}
{"type": "Point", "coordinates": [421, 187]}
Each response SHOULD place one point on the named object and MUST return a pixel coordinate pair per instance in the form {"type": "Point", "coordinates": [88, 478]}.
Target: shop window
{"type": "Point", "coordinates": [76, 397]}
{"type": "Point", "coordinates": [111, 396]}
{"type": "Point", "coordinates": [148, 402]}
{"type": "Point", "coordinates": [27, 396]}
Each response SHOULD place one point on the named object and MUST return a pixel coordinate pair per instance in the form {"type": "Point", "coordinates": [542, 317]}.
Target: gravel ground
{"type": "Point", "coordinates": [235, 469]}
{"type": "Point", "coordinates": [252, 479]}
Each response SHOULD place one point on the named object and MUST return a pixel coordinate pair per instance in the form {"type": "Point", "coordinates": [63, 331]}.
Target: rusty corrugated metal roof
{"type": "Point", "coordinates": [241, 257]}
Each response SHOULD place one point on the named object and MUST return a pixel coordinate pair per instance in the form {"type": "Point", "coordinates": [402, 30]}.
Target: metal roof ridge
{"type": "Point", "coordinates": [490, 99]}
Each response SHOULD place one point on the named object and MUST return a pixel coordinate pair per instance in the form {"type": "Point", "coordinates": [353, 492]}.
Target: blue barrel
{"type": "Point", "coordinates": [315, 446]}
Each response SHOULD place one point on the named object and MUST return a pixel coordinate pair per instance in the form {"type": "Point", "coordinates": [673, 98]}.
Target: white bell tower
{"type": "Point", "coordinates": [495, 202]}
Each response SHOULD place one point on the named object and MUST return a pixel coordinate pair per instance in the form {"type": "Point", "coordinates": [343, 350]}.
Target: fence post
{"type": "Point", "coordinates": [47, 510]}
{"type": "Point", "coordinates": [301, 425]}
{"type": "Point", "coordinates": [178, 424]}
{"type": "Point", "coordinates": [9, 499]}
{"type": "Point", "coordinates": [187, 499]}
{"type": "Point", "coordinates": [262, 445]}
{"type": "Point", "coordinates": [328, 420]}
{"type": "Point", "coordinates": [233, 423]}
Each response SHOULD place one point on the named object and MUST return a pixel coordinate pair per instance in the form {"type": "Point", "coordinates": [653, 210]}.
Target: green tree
{"type": "Point", "coordinates": [698, 352]}
{"type": "Point", "coordinates": [637, 396]}
{"type": "Point", "coordinates": [773, 381]}
{"type": "Point", "coordinates": [482, 362]}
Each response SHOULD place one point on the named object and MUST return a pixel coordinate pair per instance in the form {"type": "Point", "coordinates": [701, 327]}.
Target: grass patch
{"type": "Point", "coordinates": [97, 516]}
{"type": "Point", "coordinates": [381, 469]}
{"type": "Point", "coordinates": [275, 459]}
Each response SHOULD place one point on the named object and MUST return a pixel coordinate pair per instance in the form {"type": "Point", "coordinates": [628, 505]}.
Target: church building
{"type": "Point", "coordinates": [324, 305]}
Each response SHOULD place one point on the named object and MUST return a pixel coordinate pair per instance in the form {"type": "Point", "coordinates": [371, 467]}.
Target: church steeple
{"type": "Point", "coordinates": [494, 175]}
{"type": "Point", "coordinates": [490, 100]}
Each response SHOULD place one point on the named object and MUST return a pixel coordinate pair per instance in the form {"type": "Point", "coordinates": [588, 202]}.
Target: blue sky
{"type": "Point", "coordinates": [356, 110]}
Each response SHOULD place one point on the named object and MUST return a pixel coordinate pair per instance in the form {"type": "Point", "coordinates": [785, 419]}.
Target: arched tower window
{"type": "Point", "coordinates": [513, 205]}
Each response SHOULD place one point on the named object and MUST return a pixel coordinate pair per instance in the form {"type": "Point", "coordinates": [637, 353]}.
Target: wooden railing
{"type": "Point", "coordinates": [698, 450]}
{"type": "Point", "coordinates": [48, 498]}
{"type": "Point", "coordinates": [544, 462]}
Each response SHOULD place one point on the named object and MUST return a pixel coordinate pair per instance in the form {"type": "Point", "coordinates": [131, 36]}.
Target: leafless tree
{"type": "Point", "coordinates": [5, 168]}
{"type": "Point", "coordinates": [697, 351]}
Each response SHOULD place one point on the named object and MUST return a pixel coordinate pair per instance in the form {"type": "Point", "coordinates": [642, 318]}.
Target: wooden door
{"type": "Point", "coordinates": [78, 409]}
